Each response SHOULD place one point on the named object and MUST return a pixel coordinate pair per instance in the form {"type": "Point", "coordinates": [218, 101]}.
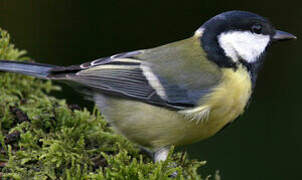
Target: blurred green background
{"type": "Point", "coordinates": [264, 143]}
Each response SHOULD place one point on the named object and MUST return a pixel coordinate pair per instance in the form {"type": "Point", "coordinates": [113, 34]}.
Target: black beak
{"type": "Point", "coordinates": [283, 36]}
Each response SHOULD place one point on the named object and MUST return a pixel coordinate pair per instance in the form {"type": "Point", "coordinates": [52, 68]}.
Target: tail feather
{"type": "Point", "coordinates": [33, 69]}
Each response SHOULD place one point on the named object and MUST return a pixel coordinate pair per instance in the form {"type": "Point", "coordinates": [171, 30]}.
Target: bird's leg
{"type": "Point", "coordinates": [161, 154]}
{"type": "Point", "coordinates": [157, 156]}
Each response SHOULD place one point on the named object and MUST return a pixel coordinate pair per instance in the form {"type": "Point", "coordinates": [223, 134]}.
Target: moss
{"type": "Point", "coordinates": [42, 137]}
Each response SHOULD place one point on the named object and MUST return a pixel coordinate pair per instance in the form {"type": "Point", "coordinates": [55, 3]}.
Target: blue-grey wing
{"type": "Point", "coordinates": [129, 76]}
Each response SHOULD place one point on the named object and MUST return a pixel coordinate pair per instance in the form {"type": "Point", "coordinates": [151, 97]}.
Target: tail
{"type": "Point", "coordinates": [32, 69]}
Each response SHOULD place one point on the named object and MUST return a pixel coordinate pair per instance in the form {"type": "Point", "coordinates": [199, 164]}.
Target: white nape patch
{"type": "Point", "coordinates": [199, 32]}
{"type": "Point", "coordinates": [243, 44]}
{"type": "Point", "coordinates": [154, 81]}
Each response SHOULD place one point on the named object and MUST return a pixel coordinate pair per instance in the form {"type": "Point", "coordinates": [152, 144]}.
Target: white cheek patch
{"type": "Point", "coordinates": [243, 44]}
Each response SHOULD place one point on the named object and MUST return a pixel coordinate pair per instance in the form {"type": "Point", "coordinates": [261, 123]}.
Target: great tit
{"type": "Point", "coordinates": [178, 93]}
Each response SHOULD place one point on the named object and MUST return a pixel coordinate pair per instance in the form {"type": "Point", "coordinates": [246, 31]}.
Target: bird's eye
{"type": "Point", "coordinates": [257, 28]}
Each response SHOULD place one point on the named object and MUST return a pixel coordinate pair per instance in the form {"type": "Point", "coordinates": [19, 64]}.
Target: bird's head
{"type": "Point", "coordinates": [235, 37]}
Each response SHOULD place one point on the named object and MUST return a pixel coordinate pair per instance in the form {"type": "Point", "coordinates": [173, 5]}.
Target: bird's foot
{"type": "Point", "coordinates": [162, 155]}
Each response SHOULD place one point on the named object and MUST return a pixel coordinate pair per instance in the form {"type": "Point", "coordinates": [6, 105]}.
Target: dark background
{"type": "Point", "coordinates": [264, 143]}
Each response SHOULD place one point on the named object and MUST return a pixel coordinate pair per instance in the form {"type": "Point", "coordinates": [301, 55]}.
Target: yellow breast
{"type": "Point", "coordinates": [224, 104]}
{"type": "Point", "coordinates": [229, 99]}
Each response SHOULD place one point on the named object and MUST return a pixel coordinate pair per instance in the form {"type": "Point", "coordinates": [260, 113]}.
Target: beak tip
{"type": "Point", "coordinates": [293, 37]}
{"type": "Point", "coordinates": [281, 36]}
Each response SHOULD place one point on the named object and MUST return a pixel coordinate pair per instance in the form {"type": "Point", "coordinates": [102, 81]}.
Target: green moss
{"type": "Point", "coordinates": [44, 138]}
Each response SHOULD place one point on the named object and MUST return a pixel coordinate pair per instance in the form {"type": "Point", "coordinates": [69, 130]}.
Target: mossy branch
{"type": "Point", "coordinates": [43, 137]}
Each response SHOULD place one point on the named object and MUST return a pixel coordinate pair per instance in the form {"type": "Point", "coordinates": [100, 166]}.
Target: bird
{"type": "Point", "coordinates": [178, 93]}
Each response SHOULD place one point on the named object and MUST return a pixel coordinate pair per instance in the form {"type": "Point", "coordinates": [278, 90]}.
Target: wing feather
{"type": "Point", "coordinates": [125, 80]}
{"type": "Point", "coordinates": [175, 76]}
